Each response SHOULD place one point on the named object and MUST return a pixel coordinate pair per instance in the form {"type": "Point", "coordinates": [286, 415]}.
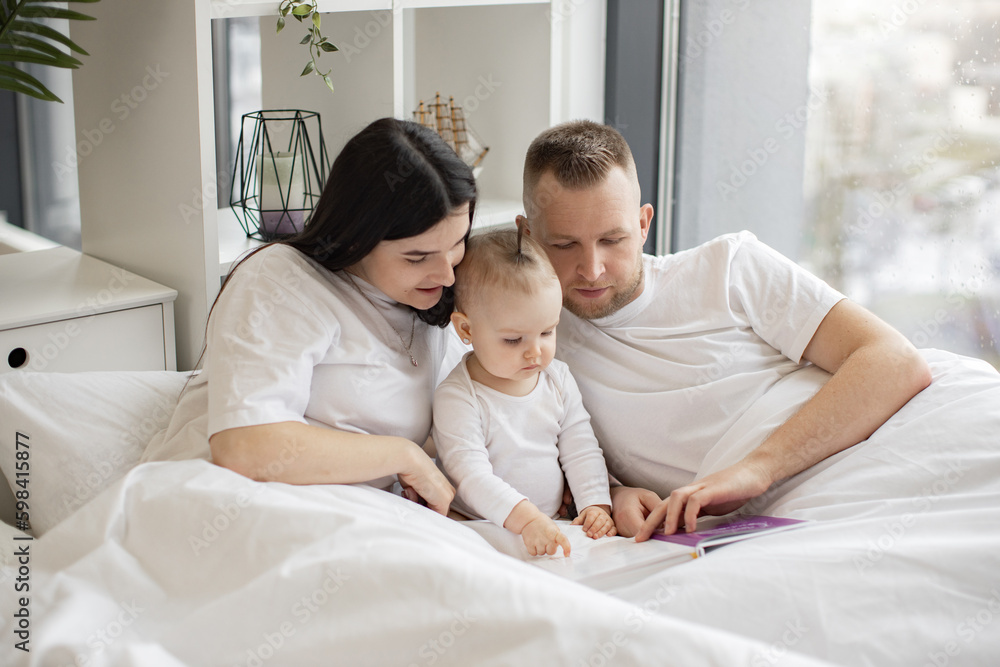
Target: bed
{"type": "Point", "coordinates": [186, 563]}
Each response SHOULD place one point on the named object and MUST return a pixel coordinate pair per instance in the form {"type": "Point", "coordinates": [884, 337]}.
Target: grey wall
{"type": "Point", "coordinates": [743, 95]}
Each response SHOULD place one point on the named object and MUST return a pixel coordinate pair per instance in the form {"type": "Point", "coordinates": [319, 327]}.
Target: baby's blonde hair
{"type": "Point", "coordinates": [503, 260]}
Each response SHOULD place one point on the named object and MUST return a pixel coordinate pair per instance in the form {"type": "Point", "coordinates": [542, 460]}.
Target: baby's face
{"type": "Point", "coordinates": [514, 334]}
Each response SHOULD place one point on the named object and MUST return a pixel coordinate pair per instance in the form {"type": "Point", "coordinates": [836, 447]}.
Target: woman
{"type": "Point", "coordinates": [323, 350]}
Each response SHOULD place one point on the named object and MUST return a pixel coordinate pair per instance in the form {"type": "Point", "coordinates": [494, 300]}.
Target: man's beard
{"type": "Point", "coordinates": [620, 298]}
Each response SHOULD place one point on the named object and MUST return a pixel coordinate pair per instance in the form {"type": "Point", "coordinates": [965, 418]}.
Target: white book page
{"type": "Point", "coordinates": [604, 563]}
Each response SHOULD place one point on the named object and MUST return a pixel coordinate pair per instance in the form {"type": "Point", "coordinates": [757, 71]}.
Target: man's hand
{"type": "Point", "coordinates": [542, 536]}
{"type": "Point", "coordinates": [596, 521]}
{"type": "Point", "coordinates": [719, 493]}
{"type": "Point", "coordinates": [630, 507]}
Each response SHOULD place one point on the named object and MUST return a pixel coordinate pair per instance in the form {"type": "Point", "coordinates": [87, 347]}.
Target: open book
{"type": "Point", "coordinates": [611, 562]}
{"type": "Point", "coordinates": [716, 531]}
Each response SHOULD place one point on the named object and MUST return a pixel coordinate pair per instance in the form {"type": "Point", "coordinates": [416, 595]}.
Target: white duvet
{"type": "Point", "coordinates": [185, 563]}
{"type": "Point", "coordinates": [902, 566]}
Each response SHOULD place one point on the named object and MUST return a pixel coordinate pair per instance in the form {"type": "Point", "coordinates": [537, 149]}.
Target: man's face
{"type": "Point", "coordinates": [593, 238]}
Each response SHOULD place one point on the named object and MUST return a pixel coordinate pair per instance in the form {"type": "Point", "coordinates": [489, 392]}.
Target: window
{"type": "Point", "coordinates": [902, 166]}
{"type": "Point", "coordinates": [236, 43]}
{"type": "Point", "coordinates": [48, 157]}
{"type": "Point", "coordinates": [860, 138]}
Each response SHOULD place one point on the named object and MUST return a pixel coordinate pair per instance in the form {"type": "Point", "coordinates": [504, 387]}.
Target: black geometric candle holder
{"type": "Point", "coordinates": [279, 175]}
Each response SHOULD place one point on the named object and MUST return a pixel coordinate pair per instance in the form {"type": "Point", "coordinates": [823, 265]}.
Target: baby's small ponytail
{"type": "Point", "coordinates": [519, 256]}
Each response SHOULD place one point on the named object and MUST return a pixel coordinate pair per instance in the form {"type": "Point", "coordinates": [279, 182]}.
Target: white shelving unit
{"type": "Point", "coordinates": [145, 112]}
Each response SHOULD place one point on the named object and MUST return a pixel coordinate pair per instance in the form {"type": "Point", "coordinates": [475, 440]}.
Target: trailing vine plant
{"type": "Point", "coordinates": [306, 11]}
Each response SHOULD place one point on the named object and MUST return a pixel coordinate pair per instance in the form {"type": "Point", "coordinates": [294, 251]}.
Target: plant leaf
{"type": "Point", "coordinates": [19, 81]}
{"type": "Point", "coordinates": [50, 33]}
{"type": "Point", "coordinates": [281, 23]}
{"type": "Point", "coordinates": [45, 95]}
{"type": "Point", "coordinates": [7, 55]}
{"type": "Point", "coordinates": [317, 43]}
{"type": "Point", "coordinates": [20, 75]}
{"type": "Point", "coordinates": [31, 44]}
{"type": "Point", "coordinates": [30, 12]}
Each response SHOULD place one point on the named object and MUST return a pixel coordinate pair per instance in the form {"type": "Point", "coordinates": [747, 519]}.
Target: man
{"type": "Point", "coordinates": [679, 356]}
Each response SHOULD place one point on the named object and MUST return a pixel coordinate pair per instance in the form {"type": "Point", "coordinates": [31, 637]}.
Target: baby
{"type": "Point", "coordinates": [509, 421]}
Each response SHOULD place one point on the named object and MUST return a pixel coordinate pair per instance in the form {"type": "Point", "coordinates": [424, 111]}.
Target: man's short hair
{"type": "Point", "coordinates": [500, 262]}
{"type": "Point", "coordinates": [579, 153]}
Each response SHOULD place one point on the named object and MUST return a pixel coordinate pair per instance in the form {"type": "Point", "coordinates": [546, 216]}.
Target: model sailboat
{"type": "Point", "coordinates": [448, 120]}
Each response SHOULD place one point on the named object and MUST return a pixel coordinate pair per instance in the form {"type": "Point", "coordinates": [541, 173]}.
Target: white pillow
{"type": "Point", "coordinates": [83, 431]}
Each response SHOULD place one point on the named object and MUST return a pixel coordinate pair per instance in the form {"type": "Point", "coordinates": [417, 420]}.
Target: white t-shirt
{"type": "Point", "coordinates": [499, 449]}
{"type": "Point", "coordinates": [669, 375]}
{"type": "Point", "coordinates": [289, 340]}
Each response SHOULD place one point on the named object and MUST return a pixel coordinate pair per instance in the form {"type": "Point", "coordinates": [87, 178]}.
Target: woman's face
{"type": "Point", "coordinates": [415, 270]}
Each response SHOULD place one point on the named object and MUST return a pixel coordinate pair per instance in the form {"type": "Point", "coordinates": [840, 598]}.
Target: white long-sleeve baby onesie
{"type": "Point", "coordinates": [499, 449]}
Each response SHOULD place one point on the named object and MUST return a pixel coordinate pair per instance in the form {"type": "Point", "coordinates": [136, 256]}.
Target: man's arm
{"type": "Point", "coordinates": [875, 372]}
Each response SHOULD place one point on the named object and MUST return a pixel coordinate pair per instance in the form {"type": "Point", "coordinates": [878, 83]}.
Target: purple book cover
{"type": "Point", "coordinates": [745, 525]}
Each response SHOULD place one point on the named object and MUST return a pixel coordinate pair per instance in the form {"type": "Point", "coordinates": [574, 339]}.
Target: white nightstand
{"type": "Point", "coordinates": [63, 311]}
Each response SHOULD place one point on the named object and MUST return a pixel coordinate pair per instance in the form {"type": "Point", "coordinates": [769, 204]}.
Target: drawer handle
{"type": "Point", "coordinates": [17, 358]}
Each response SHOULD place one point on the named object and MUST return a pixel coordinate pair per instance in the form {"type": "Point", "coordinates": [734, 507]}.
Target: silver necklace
{"type": "Point", "coordinates": [413, 322]}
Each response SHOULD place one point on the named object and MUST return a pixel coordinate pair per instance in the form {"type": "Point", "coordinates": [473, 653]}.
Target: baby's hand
{"type": "Point", "coordinates": [542, 536]}
{"type": "Point", "coordinates": [597, 521]}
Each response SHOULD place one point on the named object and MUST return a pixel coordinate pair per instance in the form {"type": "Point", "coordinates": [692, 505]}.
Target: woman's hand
{"type": "Point", "coordinates": [597, 522]}
{"type": "Point", "coordinates": [422, 480]}
{"type": "Point", "coordinates": [297, 453]}
{"type": "Point", "coordinates": [542, 536]}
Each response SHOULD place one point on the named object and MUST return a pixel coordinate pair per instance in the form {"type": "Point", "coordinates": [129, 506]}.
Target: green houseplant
{"type": "Point", "coordinates": [307, 11]}
{"type": "Point", "coordinates": [25, 38]}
